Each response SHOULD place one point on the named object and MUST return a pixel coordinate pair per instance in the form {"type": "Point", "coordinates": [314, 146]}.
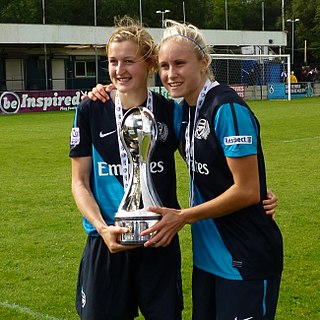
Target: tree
{"type": "Point", "coordinates": [20, 11]}
{"type": "Point", "coordinates": [314, 42]}
{"type": "Point", "coordinates": [307, 29]}
{"type": "Point", "coordinates": [206, 14]}
{"type": "Point", "coordinates": [72, 12]}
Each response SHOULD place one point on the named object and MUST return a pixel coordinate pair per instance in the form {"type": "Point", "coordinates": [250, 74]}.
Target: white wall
{"type": "Point", "coordinates": [82, 35]}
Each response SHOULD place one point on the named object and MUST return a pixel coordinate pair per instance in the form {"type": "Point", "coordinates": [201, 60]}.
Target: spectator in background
{"type": "Point", "coordinates": [284, 75]}
{"type": "Point", "coordinates": [305, 74]}
{"type": "Point", "coordinates": [293, 78]}
{"type": "Point", "coordinates": [316, 74]}
{"type": "Point", "coordinates": [252, 77]}
{"type": "Point", "coordinates": [313, 74]}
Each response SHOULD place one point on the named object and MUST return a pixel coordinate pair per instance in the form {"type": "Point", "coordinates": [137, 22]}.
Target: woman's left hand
{"type": "Point", "coordinates": [270, 204]}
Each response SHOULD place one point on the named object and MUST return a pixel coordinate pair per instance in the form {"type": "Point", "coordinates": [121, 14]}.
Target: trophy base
{"type": "Point", "coordinates": [136, 222]}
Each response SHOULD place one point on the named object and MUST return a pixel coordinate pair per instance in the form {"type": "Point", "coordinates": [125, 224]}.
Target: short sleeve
{"type": "Point", "coordinates": [80, 137]}
{"type": "Point", "coordinates": [236, 130]}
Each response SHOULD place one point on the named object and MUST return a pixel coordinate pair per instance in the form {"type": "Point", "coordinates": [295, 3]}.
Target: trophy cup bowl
{"type": "Point", "coordinates": [138, 135]}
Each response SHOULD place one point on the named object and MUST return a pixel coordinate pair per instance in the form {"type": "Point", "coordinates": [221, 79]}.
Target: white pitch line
{"type": "Point", "coordinates": [24, 310]}
{"type": "Point", "coordinates": [300, 139]}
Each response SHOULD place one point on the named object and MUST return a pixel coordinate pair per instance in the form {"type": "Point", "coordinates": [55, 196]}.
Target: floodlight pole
{"type": "Point", "coordinates": [262, 14]}
{"type": "Point", "coordinates": [162, 15]}
{"type": "Point", "coordinates": [140, 8]}
{"type": "Point", "coordinates": [293, 21]}
{"type": "Point", "coordinates": [226, 13]}
{"type": "Point", "coordinates": [45, 46]}
{"type": "Point", "coordinates": [282, 14]}
{"type": "Point", "coordinates": [184, 12]}
{"type": "Point", "coordinates": [95, 45]}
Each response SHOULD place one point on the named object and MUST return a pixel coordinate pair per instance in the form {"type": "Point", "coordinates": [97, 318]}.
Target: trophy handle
{"type": "Point", "coordinates": [150, 197]}
{"type": "Point", "coordinates": [131, 199]}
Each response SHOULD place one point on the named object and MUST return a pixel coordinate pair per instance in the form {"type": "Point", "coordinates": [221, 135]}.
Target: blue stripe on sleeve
{"type": "Point", "coordinates": [75, 118]}
{"type": "Point", "coordinates": [177, 119]}
{"type": "Point", "coordinates": [225, 131]}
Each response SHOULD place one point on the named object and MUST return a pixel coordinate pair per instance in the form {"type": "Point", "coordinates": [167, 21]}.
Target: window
{"type": "Point", "coordinates": [85, 69]}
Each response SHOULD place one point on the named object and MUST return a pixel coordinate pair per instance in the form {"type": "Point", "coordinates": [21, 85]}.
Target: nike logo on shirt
{"type": "Point", "coordinates": [102, 135]}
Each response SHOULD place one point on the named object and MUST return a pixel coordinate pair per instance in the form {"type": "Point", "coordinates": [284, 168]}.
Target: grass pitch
{"type": "Point", "coordinates": [41, 237]}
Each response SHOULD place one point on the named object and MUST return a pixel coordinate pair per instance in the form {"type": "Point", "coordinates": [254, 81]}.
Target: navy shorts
{"type": "Point", "coordinates": [217, 298]}
{"type": "Point", "coordinates": [114, 286]}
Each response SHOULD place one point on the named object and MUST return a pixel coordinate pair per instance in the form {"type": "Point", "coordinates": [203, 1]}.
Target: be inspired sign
{"type": "Point", "coordinates": [39, 101]}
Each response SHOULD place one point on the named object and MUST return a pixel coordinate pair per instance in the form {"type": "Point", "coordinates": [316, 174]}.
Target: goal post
{"type": "Point", "coordinates": [254, 76]}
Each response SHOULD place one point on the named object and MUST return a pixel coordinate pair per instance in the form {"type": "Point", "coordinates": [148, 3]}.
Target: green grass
{"type": "Point", "coordinates": [41, 237]}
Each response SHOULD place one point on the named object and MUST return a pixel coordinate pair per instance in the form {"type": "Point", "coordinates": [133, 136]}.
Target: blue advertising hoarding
{"type": "Point", "coordinates": [298, 90]}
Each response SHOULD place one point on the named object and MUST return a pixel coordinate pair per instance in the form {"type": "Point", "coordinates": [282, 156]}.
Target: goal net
{"type": "Point", "coordinates": [254, 76]}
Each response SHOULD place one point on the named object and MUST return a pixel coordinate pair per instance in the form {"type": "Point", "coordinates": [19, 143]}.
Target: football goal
{"type": "Point", "coordinates": [254, 76]}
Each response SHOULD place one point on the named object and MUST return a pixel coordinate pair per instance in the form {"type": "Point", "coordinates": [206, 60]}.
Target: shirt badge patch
{"type": "Point", "coordinates": [202, 129]}
{"type": "Point", "coordinates": [75, 136]}
{"type": "Point", "coordinates": [163, 131]}
{"type": "Point", "coordinates": [233, 140]}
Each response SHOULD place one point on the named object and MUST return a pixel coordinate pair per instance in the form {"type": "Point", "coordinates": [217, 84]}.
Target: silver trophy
{"type": "Point", "coordinates": [138, 135]}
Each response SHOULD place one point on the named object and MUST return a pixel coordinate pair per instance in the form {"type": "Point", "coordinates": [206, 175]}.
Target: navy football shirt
{"type": "Point", "coordinates": [94, 134]}
{"type": "Point", "coordinates": [246, 244]}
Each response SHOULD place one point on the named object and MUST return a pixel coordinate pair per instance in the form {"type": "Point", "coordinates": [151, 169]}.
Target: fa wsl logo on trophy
{"type": "Point", "coordinates": [138, 135]}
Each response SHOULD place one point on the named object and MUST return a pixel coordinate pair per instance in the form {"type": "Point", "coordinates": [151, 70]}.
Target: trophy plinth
{"type": "Point", "coordinates": [136, 222]}
{"type": "Point", "coordinates": [138, 135]}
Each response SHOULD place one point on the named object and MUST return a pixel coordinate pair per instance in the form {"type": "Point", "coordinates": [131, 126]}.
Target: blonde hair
{"type": "Point", "coordinates": [129, 29]}
{"type": "Point", "coordinates": [188, 32]}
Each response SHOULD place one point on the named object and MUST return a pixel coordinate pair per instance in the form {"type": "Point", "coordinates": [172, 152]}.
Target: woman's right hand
{"type": "Point", "coordinates": [111, 236]}
{"type": "Point", "coordinates": [99, 92]}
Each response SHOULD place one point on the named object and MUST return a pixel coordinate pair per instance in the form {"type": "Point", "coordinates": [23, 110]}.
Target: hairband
{"type": "Point", "coordinates": [192, 40]}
